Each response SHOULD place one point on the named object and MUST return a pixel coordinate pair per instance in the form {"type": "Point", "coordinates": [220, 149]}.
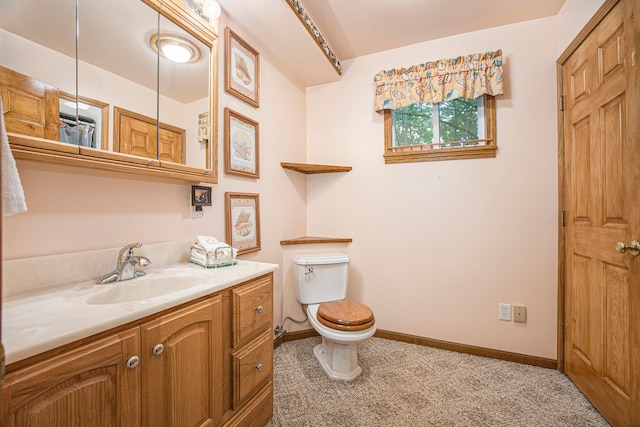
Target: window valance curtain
{"type": "Point", "coordinates": [438, 81]}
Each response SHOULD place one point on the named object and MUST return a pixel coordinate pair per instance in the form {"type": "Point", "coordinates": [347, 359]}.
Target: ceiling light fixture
{"type": "Point", "coordinates": [175, 48]}
{"type": "Point", "coordinates": [211, 9]}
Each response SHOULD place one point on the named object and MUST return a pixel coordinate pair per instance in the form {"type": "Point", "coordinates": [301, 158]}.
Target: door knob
{"type": "Point", "coordinates": [633, 247]}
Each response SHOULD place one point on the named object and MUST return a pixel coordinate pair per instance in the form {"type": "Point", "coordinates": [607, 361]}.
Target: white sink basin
{"type": "Point", "coordinates": [145, 287]}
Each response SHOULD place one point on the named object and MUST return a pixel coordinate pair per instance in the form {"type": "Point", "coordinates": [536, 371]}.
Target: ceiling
{"type": "Point", "coordinates": [355, 28]}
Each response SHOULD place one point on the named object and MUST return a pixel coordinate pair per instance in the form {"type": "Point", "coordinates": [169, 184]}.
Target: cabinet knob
{"type": "Point", "coordinates": [133, 362]}
{"type": "Point", "coordinates": [158, 349]}
{"type": "Point", "coordinates": [259, 367]}
{"type": "Point", "coordinates": [259, 309]}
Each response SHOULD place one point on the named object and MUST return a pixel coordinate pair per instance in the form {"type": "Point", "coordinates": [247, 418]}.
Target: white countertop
{"type": "Point", "coordinates": [36, 322]}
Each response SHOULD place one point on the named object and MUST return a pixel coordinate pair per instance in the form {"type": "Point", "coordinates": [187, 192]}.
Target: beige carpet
{"type": "Point", "coordinates": [411, 385]}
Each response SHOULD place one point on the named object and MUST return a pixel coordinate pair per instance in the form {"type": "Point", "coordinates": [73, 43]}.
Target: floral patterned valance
{"type": "Point", "coordinates": [443, 80]}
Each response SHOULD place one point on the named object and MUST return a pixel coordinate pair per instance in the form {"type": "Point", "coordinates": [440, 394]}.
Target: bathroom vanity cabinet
{"type": "Point", "coordinates": [249, 352]}
{"type": "Point", "coordinates": [204, 363]}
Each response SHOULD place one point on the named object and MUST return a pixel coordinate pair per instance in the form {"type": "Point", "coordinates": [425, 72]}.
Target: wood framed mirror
{"type": "Point", "coordinates": [64, 98]}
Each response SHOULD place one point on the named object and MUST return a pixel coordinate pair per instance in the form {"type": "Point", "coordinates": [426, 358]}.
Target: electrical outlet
{"type": "Point", "coordinates": [196, 213]}
{"type": "Point", "coordinates": [504, 311]}
{"type": "Point", "coordinates": [519, 313]}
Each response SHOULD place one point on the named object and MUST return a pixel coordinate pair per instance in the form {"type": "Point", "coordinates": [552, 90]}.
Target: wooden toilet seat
{"type": "Point", "coordinates": [345, 315]}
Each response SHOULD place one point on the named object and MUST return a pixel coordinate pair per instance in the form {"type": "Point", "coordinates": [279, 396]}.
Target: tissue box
{"type": "Point", "coordinates": [220, 257]}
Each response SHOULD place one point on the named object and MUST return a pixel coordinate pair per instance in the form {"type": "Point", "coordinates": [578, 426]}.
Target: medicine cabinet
{"type": "Point", "coordinates": [87, 83]}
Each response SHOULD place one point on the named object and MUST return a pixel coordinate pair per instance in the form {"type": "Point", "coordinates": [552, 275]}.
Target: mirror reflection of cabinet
{"type": "Point", "coordinates": [118, 69]}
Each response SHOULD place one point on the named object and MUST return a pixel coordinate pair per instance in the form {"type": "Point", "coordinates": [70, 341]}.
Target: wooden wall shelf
{"type": "Point", "coordinates": [313, 240]}
{"type": "Point", "coordinates": [309, 168]}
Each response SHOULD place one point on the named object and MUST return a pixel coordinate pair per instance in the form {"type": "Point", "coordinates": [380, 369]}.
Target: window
{"type": "Point", "coordinates": [440, 110]}
{"type": "Point", "coordinates": [457, 129]}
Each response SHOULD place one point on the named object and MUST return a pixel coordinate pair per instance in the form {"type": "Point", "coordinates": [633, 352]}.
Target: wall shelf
{"type": "Point", "coordinates": [308, 168]}
{"type": "Point", "coordinates": [314, 240]}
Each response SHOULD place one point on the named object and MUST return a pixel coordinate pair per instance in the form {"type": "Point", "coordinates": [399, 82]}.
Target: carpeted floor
{"type": "Point", "coordinates": [411, 385]}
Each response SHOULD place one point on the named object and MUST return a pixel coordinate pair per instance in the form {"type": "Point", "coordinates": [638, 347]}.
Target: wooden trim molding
{"type": "Point", "coordinates": [442, 345]}
{"type": "Point", "coordinates": [468, 349]}
{"type": "Point", "coordinates": [293, 336]}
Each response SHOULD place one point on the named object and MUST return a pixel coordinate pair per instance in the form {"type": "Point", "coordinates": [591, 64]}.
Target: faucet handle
{"type": "Point", "coordinates": [127, 251]}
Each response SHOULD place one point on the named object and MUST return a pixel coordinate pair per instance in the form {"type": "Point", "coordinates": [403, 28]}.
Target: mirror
{"type": "Point", "coordinates": [184, 97]}
{"type": "Point", "coordinates": [130, 104]}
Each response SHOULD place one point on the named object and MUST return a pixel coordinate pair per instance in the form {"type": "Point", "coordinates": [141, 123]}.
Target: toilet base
{"type": "Point", "coordinates": [339, 360]}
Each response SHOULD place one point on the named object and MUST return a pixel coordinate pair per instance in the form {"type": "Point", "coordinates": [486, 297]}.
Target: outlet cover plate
{"type": "Point", "coordinates": [504, 311]}
{"type": "Point", "coordinates": [519, 313]}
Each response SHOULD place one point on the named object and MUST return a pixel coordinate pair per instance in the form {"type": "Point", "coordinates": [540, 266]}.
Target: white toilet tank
{"type": "Point", "coordinates": [321, 277]}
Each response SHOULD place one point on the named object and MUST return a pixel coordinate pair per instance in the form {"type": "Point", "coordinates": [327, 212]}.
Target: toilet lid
{"type": "Point", "coordinates": [345, 315]}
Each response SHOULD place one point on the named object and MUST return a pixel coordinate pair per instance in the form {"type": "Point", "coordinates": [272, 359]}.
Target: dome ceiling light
{"type": "Point", "coordinates": [175, 48]}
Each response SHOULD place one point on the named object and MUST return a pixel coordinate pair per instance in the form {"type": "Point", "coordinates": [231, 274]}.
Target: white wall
{"type": "Point", "coordinates": [437, 245]}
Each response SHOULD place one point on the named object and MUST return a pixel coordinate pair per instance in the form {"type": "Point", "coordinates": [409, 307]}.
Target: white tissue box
{"type": "Point", "coordinates": [220, 257]}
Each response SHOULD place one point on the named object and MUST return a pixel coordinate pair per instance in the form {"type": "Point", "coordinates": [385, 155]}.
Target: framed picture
{"type": "Point", "coordinates": [241, 145]}
{"type": "Point", "coordinates": [242, 220]}
{"type": "Point", "coordinates": [200, 195]}
{"type": "Point", "coordinates": [242, 69]}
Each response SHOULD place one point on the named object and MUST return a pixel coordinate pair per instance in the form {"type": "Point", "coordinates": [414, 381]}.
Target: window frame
{"type": "Point", "coordinates": [426, 152]}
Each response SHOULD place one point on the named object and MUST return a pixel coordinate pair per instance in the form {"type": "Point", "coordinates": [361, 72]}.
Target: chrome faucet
{"type": "Point", "coordinates": [126, 267]}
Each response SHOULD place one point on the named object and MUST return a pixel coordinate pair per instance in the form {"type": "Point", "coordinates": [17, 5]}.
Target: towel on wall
{"type": "Point", "coordinates": [13, 201]}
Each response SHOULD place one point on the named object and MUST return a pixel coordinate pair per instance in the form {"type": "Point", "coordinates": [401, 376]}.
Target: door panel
{"type": "Point", "coordinates": [182, 366]}
{"type": "Point", "coordinates": [601, 199]}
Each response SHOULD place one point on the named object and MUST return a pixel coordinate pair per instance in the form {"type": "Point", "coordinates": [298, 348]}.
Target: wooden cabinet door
{"type": "Point", "coordinates": [135, 134]}
{"type": "Point", "coordinates": [601, 87]}
{"type": "Point", "coordinates": [172, 144]}
{"type": "Point", "coordinates": [143, 136]}
{"type": "Point", "coordinates": [88, 386]}
{"type": "Point", "coordinates": [30, 106]}
{"type": "Point", "coordinates": [182, 367]}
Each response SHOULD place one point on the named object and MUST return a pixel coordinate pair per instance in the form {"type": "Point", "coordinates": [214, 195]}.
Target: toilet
{"type": "Point", "coordinates": [321, 286]}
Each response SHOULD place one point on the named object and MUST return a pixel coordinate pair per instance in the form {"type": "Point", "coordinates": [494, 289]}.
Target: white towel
{"type": "Point", "coordinates": [12, 193]}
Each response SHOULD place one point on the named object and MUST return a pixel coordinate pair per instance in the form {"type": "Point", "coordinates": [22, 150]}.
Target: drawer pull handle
{"type": "Point", "coordinates": [133, 362]}
{"type": "Point", "coordinates": [158, 349]}
{"type": "Point", "coordinates": [259, 367]}
{"type": "Point", "coordinates": [259, 309]}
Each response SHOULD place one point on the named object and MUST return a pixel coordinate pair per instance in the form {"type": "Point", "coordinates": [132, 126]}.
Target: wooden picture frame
{"type": "Point", "coordinates": [242, 221]}
{"type": "Point", "coordinates": [242, 69]}
{"type": "Point", "coordinates": [241, 145]}
{"type": "Point", "coordinates": [200, 195]}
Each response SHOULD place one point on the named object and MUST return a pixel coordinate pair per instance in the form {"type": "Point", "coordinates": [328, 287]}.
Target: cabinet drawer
{"type": "Point", "coordinates": [253, 308]}
{"type": "Point", "coordinates": [257, 412]}
{"type": "Point", "coordinates": [252, 367]}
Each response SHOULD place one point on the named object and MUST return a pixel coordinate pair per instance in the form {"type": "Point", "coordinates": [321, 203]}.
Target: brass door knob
{"type": "Point", "coordinates": [633, 247]}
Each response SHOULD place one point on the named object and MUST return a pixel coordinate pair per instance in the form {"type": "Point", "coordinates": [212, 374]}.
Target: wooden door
{"type": "Point", "coordinates": [91, 385]}
{"type": "Point", "coordinates": [182, 367]}
{"type": "Point", "coordinates": [601, 141]}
